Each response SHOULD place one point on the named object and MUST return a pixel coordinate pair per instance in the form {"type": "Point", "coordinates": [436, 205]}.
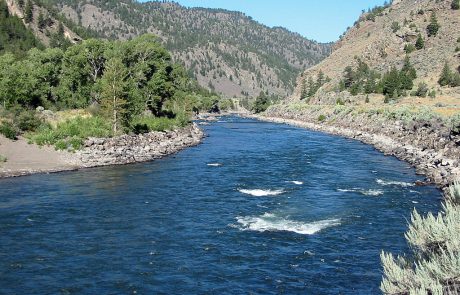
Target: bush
{"type": "Point", "coordinates": [433, 28]}
{"type": "Point", "coordinates": [8, 130]}
{"type": "Point", "coordinates": [435, 241]}
{"type": "Point", "coordinates": [321, 118]}
{"type": "Point", "coordinates": [3, 159]}
{"type": "Point", "coordinates": [422, 90]}
{"type": "Point", "coordinates": [409, 48]}
{"type": "Point", "coordinates": [144, 124]}
{"type": "Point", "coordinates": [71, 133]}
{"type": "Point", "coordinates": [455, 5]}
{"type": "Point", "coordinates": [27, 120]}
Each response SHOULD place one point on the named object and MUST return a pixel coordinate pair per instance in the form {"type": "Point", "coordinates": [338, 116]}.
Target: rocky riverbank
{"type": "Point", "coordinates": [25, 159]}
{"type": "Point", "coordinates": [128, 149]}
{"type": "Point", "coordinates": [430, 146]}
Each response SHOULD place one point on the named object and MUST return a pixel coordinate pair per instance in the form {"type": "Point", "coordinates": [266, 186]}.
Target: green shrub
{"type": "Point", "coordinates": [27, 120]}
{"type": "Point", "coordinates": [422, 90]}
{"type": "Point", "coordinates": [321, 118]}
{"type": "Point", "coordinates": [455, 5]}
{"type": "Point", "coordinates": [71, 133]}
{"type": "Point", "coordinates": [3, 159]}
{"type": "Point", "coordinates": [144, 124]}
{"type": "Point", "coordinates": [409, 48]}
{"type": "Point", "coordinates": [8, 130]}
{"type": "Point", "coordinates": [435, 264]}
{"type": "Point", "coordinates": [433, 28]}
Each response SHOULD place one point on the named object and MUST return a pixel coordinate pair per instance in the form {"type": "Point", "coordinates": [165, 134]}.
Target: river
{"type": "Point", "coordinates": [257, 208]}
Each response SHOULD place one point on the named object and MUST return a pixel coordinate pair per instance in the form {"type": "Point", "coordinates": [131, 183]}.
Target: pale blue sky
{"type": "Point", "coordinates": [321, 20]}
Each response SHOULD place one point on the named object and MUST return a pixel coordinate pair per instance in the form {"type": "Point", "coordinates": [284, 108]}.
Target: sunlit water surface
{"type": "Point", "coordinates": [258, 208]}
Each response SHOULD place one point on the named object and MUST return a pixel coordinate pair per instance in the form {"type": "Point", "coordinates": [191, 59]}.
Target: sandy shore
{"type": "Point", "coordinates": [25, 159]}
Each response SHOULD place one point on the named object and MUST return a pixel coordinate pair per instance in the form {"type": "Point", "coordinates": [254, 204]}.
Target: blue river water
{"type": "Point", "coordinates": [257, 208]}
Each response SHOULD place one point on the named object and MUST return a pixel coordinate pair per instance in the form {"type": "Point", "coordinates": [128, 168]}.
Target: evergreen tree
{"type": "Point", "coordinates": [420, 43]}
{"type": "Point", "coordinates": [407, 75]}
{"type": "Point", "coordinates": [446, 75]}
{"type": "Point", "coordinates": [41, 21]}
{"type": "Point", "coordinates": [455, 4]}
{"type": "Point", "coordinates": [29, 12]}
{"type": "Point", "coordinates": [433, 28]}
{"type": "Point", "coordinates": [21, 3]}
{"type": "Point", "coordinates": [303, 90]}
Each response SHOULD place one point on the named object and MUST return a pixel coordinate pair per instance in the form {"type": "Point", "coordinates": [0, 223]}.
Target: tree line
{"type": "Point", "coordinates": [123, 79]}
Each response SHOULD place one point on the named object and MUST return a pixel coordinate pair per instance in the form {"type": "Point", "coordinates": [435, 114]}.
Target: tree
{"type": "Point", "coordinates": [433, 28]}
{"type": "Point", "coordinates": [41, 21]}
{"type": "Point", "coordinates": [21, 3]}
{"type": "Point", "coordinates": [420, 43]}
{"type": "Point", "coordinates": [113, 92]}
{"type": "Point", "coordinates": [29, 12]}
{"type": "Point", "coordinates": [455, 5]}
{"type": "Point", "coordinates": [446, 75]}
{"type": "Point", "coordinates": [407, 75]}
{"type": "Point", "coordinates": [303, 90]}
{"type": "Point", "coordinates": [261, 103]}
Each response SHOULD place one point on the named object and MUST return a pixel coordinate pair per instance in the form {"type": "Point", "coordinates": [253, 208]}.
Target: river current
{"type": "Point", "coordinates": [257, 208]}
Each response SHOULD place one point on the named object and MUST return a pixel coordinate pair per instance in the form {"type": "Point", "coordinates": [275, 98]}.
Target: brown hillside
{"type": "Point", "coordinates": [381, 46]}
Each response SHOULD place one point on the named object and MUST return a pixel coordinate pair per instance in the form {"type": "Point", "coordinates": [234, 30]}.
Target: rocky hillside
{"type": "Point", "coordinates": [381, 39]}
{"type": "Point", "coordinates": [45, 24]}
{"type": "Point", "coordinates": [226, 51]}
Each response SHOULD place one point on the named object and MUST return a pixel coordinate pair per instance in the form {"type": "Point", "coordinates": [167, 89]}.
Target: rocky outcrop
{"type": "Point", "coordinates": [127, 149]}
{"type": "Point", "coordinates": [431, 147]}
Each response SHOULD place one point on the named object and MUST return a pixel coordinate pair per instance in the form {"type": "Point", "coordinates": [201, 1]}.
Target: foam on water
{"type": "Point", "coordinates": [394, 183]}
{"type": "Point", "coordinates": [271, 222]}
{"type": "Point", "coordinates": [296, 182]}
{"type": "Point", "coordinates": [214, 164]}
{"type": "Point", "coordinates": [369, 192]}
{"type": "Point", "coordinates": [261, 192]}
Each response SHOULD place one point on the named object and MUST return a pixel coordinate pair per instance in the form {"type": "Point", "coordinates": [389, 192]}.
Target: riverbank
{"type": "Point", "coordinates": [25, 159]}
{"type": "Point", "coordinates": [428, 145]}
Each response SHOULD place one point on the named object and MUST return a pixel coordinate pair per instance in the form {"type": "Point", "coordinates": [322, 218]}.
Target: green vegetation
{"type": "Point", "coordinates": [14, 36]}
{"type": "Point", "coordinates": [433, 28]}
{"type": "Point", "coordinates": [261, 103]}
{"type": "Point", "coordinates": [8, 130]}
{"type": "Point", "coordinates": [448, 77]}
{"type": "Point", "coordinates": [3, 159]}
{"type": "Point", "coordinates": [409, 48]}
{"type": "Point", "coordinates": [321, 118]}
{"type": "Point", "coordinates": [393, 84]}
{"type": "Point", "coordinates": [395, 26]}
{"type": "Point", "coordinates": [420, 43]}
{"type": "Point", "coordinates": [455, 5]}
{"type": "Point", "coordinates": [119, 81]}
{"type": "Point", "coordinates": [310, 87]}
{"type": "Point", "coordinates": [28, 12]}
{"type": "Point", "coordinates": [434, 267]}
{"type": "Point", "coordinates": [422, 90]}
{"type": "Point", "coordinates": [71, 133]}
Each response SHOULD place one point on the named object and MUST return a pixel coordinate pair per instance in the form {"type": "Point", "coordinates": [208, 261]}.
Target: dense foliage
{"type": "Point", "coordinates": [434, 267]}
{"type": "Point", "coordinates": [122, 82]}
{"type": "Point", "coordinates": [449, 77]}
{"type": "Point", "coordinates": [392, 84]}
{"type": "Point", "coordinates": [14, 36]}
{"type": "Point", "coordinates": [310, 86]}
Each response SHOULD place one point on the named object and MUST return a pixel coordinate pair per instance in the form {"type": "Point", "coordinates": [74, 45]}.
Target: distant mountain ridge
{"type": "Point", "coordinates": [226, 51]}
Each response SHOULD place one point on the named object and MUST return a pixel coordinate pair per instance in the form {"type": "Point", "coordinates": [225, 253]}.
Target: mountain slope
{"type": "Point", "coordinates": [379, 39]}
{"type": "Point", "coordinates": [226, 51]}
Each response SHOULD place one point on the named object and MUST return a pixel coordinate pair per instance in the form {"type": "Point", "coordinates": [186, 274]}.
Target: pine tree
{"type": "Point", "coordinates": [113, 84]}
{"type": "Point", "coordinates": [21, 3]}
{"type": "Point", "coordinates": [455, 4]}
{"type": "Point", "coordinates": [29, 12]}
{"type": "Point", "coordinates": [303, 91]}
{"type": "Point", "coordinates": [420, 43]}
{"type": "Point", "coordinates": [433, 28]}
{"type": "Point", "coordinates": [446, 75]}
{"type": "Point", "coordinates": [41, 21]}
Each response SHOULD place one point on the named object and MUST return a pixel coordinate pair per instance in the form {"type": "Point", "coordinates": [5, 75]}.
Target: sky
{"type": "Point", "coordinates": [320, 20]}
